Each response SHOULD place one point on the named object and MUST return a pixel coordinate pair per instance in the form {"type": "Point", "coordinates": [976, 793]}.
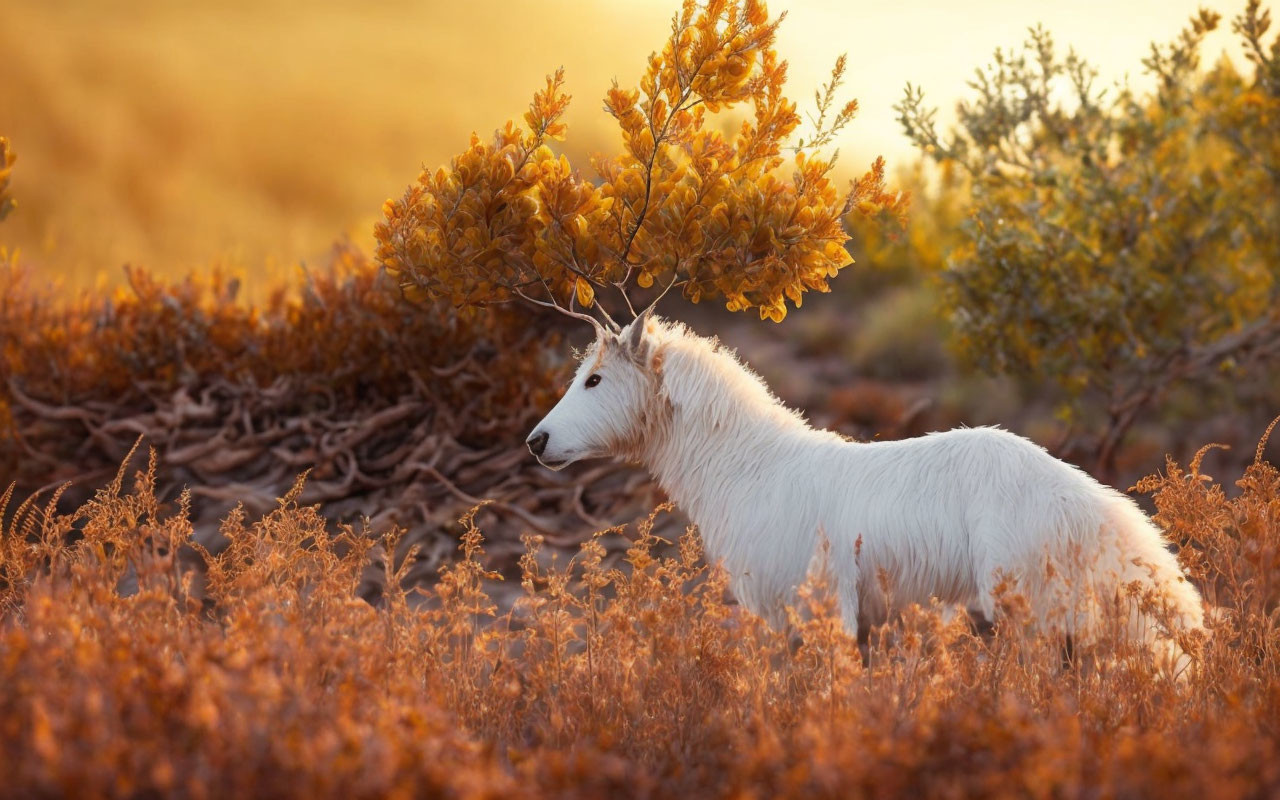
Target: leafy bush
{"type": "Point", "coordinates": [1123, 246]}
{"type": "Point", "coordinates": [901, 337]}
{"type": "Point", "coordinates": [339, 332]}
{"type": "Point", "coordinates": [681, 202]}
{"type": "Point", "coordinates": [119, 679]}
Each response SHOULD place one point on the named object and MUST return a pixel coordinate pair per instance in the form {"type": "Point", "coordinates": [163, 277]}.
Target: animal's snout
{"type": "Point", "coordinates": [538, 442]}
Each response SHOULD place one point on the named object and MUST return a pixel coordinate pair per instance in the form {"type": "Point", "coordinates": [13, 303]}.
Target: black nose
{"type": "Point", "coordinates": [538, 442]}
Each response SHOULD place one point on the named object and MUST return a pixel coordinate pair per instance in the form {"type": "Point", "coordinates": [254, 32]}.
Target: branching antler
{"type": "Point", "coordinates": [600, 331]}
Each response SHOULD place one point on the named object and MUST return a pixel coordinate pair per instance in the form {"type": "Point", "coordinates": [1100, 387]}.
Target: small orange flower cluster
{"type": "Point", "coordinates": [681, 204]}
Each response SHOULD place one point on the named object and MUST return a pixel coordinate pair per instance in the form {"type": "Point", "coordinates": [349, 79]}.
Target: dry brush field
{"type": "Point", "coordinates": [308, 664]}
{"type": "Point", "coordinates": [271, 535]}
{"type": "Point", "coordinates": [154, 642]}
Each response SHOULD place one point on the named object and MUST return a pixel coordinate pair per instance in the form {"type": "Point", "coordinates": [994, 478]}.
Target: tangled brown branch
{"type": "Point", "coordinates": [419, 418]}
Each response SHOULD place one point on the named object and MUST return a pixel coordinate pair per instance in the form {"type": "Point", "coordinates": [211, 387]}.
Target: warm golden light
{"type": "Point", "coordinates": [251, 133]}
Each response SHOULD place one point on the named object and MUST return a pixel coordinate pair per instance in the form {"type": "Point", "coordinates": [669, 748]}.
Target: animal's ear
{"type": "Point", "coordinates": [636, 343]}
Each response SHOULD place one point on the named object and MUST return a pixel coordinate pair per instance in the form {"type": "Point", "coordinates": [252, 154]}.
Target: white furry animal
{"type": "Point", "coordinates": [944, 515]}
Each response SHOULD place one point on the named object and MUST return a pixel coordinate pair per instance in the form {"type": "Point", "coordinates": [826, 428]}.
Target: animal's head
{"type": "Point", "coordinates": [610, 405]}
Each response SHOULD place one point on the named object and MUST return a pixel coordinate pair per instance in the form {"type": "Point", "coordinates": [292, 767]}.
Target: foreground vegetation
{"type": "Point", "coordinates": [213, 641]}
{"type": "Point", "coordinates": [263, 674]}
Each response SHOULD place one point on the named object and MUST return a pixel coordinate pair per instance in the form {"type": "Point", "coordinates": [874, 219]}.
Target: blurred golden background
{"type": "Point", "coordinates": [253, 133]}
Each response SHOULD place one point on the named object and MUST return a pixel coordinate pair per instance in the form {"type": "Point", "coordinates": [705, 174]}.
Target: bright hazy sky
{"type": "Point", "coordinates": [933, 43]}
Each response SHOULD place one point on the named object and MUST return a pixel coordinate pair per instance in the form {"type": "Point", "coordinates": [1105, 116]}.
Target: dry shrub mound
{"type": "Point", "coordinates": [404, 414]}
{"type": "Point", "coordinates": [637, 681]}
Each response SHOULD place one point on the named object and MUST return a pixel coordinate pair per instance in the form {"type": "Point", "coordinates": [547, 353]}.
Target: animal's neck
{"type": "Point", "coordinates": [721, 436]}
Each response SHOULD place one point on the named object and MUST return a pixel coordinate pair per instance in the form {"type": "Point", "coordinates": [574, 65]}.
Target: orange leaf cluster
{"type": "Point", "coordinates": [494, 219]}
{"type": "Point", "coordinates": [682, 203]}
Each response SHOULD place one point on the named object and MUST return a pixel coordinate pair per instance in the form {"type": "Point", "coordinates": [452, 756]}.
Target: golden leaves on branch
{"type": "Point", "coordinates": [681, 202]}
{"type": "Point", "coordinates": [7, 158]}
{"type": "Point", "coordinates": [467, 231]}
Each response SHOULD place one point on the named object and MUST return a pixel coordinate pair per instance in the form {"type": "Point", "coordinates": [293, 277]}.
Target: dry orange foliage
{"type": "Point", "coordinates": [340, 331]}
{"type": "Point", "coordinates": [682, 203]}
{"type": "Point", "coordinates": [118, 678]}
{"type": "Point", "coordinates": [7, 157]}
{"type": "Point", "coordinates": [402, 416]}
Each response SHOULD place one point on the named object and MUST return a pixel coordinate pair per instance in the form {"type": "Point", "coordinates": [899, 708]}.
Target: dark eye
{"type": "Point", "coordinates": [594, 380]}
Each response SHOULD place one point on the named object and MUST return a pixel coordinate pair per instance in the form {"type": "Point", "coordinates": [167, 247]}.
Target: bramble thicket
{"type": "Point", "coordinates": [290, 543]}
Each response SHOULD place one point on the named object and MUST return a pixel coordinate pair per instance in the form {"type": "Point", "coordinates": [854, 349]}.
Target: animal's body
{"type": "Point", "coordinates": [946, 515]}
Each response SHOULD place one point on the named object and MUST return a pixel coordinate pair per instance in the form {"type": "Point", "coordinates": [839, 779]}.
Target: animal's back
{"type": "Point", "coordinates": [927, 511]}
{"type": "Point", "coordinates": [953, 483]}
{"type": "Point", "coordinates": [949, 514]}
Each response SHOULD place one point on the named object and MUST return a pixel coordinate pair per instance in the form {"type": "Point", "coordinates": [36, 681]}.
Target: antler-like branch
{"type": "Point", "coordinates": [622, 290]}
{"type": "Point", "coordinates": [674, 275]}
{"type": "Point", "coordinates": [595, 323]}
{"type": "Point", "coordinates": [609, 321]}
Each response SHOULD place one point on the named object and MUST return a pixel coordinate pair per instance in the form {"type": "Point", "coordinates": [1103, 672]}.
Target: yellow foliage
{"type": "Point", "coordinates": [682, 203]}
{"type": "Point", "coordinates": [7, 157]}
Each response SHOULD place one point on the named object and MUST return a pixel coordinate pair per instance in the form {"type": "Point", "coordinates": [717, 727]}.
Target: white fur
{"type": "Point", "coordinates": [943, 515]}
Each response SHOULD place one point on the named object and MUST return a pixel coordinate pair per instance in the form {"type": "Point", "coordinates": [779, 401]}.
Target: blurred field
{"type": "Point", "coordinates": [173, 135]}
